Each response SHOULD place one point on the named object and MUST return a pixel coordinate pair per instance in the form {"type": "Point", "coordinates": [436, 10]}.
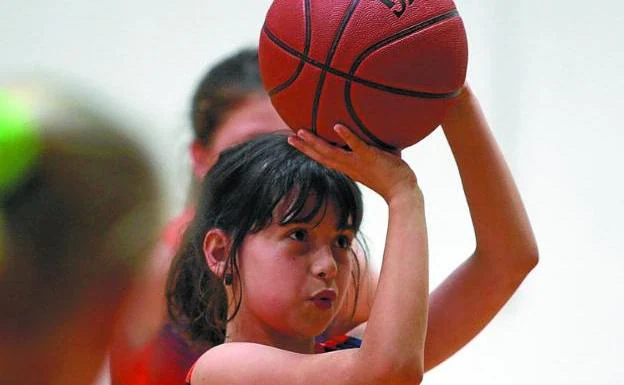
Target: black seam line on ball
{"type": "Point", "coordinates": [411, 30]}
{"type": "Point", "coordinates": [356, 79]}
{"type": "Point", "coordinates": [306, 50]}
{"type": "Point", "coordinates": [330, 56]}
{"type": "Point", "coordinates": [401, 34]}
{"type": "Point", "coordinates": [372, 137]}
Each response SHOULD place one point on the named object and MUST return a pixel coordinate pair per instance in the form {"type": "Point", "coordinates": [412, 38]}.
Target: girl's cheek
{"type": "Point", "coordinates": [344, 260]}
{"type": "Point", "coordinates": [344, 274]}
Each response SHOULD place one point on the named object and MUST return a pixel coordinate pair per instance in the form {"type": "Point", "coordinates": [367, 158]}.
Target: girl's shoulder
{"type": "Point", "coordinates": [222, 364]}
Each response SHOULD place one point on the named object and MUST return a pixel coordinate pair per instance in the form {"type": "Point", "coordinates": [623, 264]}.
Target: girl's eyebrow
{"type": "Point", "coordinates": [295, 224]}
{"type": "Point", "coordinates": [350, 228]}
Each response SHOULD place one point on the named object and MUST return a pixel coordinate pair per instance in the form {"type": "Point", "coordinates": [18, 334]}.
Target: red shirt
{"type": "Point", "coordinates": [167, 358]}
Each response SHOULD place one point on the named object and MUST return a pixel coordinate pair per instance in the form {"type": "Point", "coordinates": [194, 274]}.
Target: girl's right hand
{"type": "Point", "coordinates": [381, 171]}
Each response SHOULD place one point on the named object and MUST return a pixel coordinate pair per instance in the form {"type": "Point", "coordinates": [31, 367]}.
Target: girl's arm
{"type": "Point", "coordinates": [389, 355]}
{"type": "Point", "coordinates": [506, 250]}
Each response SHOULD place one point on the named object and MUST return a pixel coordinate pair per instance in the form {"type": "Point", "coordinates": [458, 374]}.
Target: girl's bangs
{"type": "Point", "coordinates": [323, 189]}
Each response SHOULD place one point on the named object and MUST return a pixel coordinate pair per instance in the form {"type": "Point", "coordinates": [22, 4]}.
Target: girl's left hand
{"type": "Point", "coordinates": [383, 172]}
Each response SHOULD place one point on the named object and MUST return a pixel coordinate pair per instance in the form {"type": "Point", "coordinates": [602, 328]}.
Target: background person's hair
{"type": "Point", "coordinates": [222, 89]}
{"type": "Point", "coordinates": [239, 196]}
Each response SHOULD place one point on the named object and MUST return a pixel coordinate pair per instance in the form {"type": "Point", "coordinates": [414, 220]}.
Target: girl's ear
{"type": "Point", "coordinates": [216, 247]}
{"type": "Point", "coordinates": [203, 158]}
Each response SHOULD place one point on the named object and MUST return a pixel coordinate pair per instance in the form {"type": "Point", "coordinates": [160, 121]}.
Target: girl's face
{"type": "Point", "coordinates": [294, 277]}
{"type": "Point", "coordinates": [254, 116]}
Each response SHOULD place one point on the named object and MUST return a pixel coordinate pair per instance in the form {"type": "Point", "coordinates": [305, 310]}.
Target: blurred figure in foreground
{"type": "Point", "coordinates": [79, 209]}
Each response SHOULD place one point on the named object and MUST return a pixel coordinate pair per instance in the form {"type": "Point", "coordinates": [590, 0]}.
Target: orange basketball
{"type": "Point", "coordinates": [385, 68]}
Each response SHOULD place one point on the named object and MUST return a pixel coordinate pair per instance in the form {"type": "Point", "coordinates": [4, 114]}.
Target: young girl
{"type": "Point", "coordinates": [283, 273]}
{"type": "Point", "coordinates": [277, 229]}
{"type": "Point", "coordinates": [79, 208]}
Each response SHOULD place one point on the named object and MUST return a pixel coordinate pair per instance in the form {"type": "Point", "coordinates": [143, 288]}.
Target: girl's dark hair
{"type": "Point", "coordinates": [222, 89]}
{"type": "Point", "coordinates": [239, 196]}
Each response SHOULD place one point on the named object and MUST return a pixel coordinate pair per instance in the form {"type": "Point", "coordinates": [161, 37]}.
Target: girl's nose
{"type": "Point", "coordinates": [325, 266]}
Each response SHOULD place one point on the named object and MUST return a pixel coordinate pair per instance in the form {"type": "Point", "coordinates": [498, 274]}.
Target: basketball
{"type": "Point", "coordinates": [388, 69]}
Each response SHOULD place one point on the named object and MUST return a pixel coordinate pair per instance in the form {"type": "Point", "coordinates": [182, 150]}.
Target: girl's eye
{"type": "Point", "coordinates": [343, 242]}
{"type": "Point", "coordinates": [298, 235]}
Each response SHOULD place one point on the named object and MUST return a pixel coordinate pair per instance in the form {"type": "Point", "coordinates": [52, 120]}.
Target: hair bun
{"type": "Point", "coordinates": [19, 143]}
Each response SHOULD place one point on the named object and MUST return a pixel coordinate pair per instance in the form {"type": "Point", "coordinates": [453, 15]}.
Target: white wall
{"type": "Point", "coordinates": [548, 76]}
{"type": "Point", "coordinates": [146, 54]}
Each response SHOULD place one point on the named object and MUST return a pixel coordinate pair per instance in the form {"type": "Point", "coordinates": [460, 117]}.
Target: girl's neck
{"type": "Point", "coordinates": [246, 332]}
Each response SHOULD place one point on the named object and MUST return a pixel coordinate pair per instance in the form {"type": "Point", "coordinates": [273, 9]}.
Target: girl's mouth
{"type": "Point", "coordinates": [324, 299]}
